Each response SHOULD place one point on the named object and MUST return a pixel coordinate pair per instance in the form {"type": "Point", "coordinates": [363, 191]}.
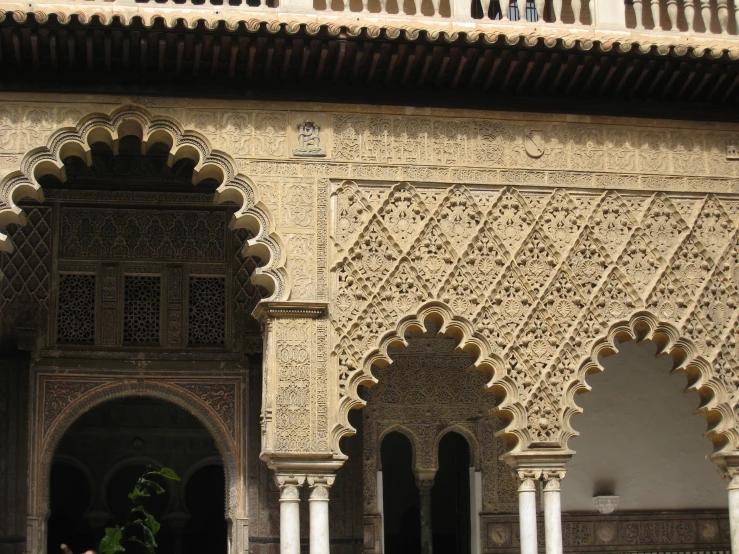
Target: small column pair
{"type": "Point", "coordinates": [527, 489]}
{"type": "Point", "coordinates": [290, 486]}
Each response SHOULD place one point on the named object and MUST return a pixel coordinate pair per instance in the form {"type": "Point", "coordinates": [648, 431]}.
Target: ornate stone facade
{"type": "Point", "coordinates": [425, 230]}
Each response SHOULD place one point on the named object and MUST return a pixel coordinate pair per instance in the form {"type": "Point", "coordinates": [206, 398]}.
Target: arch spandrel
{"type": "Point", "coordinates": [536, 291]}
{"type": "Point", "coordinates": [210, 163]}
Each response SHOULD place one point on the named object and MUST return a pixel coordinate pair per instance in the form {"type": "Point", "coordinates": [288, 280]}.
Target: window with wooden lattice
{"type": "Point", "coordinates": [76, 313]}
{"type": "Point", "coordinates": [207, 313]}
{"type": "Point", "coordinates": [141, 309]}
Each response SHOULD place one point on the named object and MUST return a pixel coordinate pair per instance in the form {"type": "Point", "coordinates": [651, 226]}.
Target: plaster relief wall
{"type": "Point", "coordinates": [639, 440]}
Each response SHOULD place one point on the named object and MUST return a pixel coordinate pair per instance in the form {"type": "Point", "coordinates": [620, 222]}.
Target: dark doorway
{"type": "Point", "coordinates": [205, 497]}
{"type": "Point", "coordinates": [401, 501]}
{"type": "Point", "coordinates": [71, 497]}
{"type": "Point", "coordinates": [116, 442]}
{"type": "Point", "coordinates": [450, 497]}
{"type": "Point", "coordinates": [120, 485]}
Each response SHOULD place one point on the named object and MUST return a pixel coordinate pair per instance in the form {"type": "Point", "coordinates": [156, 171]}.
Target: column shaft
{"type": "Point", "coordinates": [552, 512]}
{"type": "Point", "coordinates": [527, 512]}
{"type": "Point", "coordinates": [289, 513]}
{"type": "Point", "coordinates": [319, 522]}
{"type": "Point", "coordinates": [424, 487]}
{"type": "Point", "coordinates": [734, 512]}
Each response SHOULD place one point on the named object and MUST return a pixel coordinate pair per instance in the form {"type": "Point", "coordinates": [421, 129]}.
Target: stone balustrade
{"type": "Point", "coordinates": [630, 21]}
{"type": "Point", "coordinates": [719, 17]}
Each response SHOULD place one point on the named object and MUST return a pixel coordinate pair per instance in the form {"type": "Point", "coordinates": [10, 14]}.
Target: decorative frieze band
{"type": "Point", "coordinates": [703, 531]}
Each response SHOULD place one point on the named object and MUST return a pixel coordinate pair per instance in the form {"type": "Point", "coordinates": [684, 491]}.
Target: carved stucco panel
{"type": "Point", "coordinates": [296, 403]}
{"type": "Point", "coordinates": [560, 271]}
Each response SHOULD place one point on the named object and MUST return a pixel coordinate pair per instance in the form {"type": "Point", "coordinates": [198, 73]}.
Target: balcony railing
{"type": "Point", "coordinates": [688, 16]}
{"type": "Point", "coordinates": [629, 20]}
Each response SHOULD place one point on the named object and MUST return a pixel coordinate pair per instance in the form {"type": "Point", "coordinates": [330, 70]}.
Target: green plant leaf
{"type": "Point", "coordinates": [139, 491]}
{"type": "Point", "coordinates": [148, 484]}
{"type": "Point", "coordinates": [111, 542]}
{"type": "Point", "coordinates": [168, 473]}
{"type": "Point", "coordinates": [149, 538]}
{"type": "Point", "coordinates": [149, 519]}
{"type": "Point", "coordinates": [148, 547]}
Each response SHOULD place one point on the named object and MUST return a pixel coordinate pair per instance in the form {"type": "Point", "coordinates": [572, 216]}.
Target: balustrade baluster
{"type": "Point", "coordinates": [736, 14]}
{"type": "Point", "coordinates": [505, 6]}
{"type": "Point", "coordinates": [689, 7]}
{"type": "Point", "coordinates": [638, 12]}
{"type": "Point", "coordinates": [706, 14]}
{"type": "Point", "coordinates": [723, 15]}
{"type": "Point", "coordinates": [576, 10]}
{"type": "Point", "coordinates": [539, 9]}
{"type": "Point", "coordinates": [654, 8]}
{"type": "Point", "coordinates": [672, 13]}
{"type": "Point", "coordinates": [436, 4]}
{"type": "Point", "coordinates": [557, 11]}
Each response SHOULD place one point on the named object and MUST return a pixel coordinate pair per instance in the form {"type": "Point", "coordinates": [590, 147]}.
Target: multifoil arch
{"type": "Point", "coordinates": [210, 163]}
{"type": "Point", "coordinates": [536, 278]}
{"type": "Point", "coordinates": [353, 374]}
{"type": "Point", "coordinates": [711, 374]}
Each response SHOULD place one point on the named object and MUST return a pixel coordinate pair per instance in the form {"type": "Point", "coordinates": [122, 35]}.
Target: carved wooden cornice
{"type": "Point", "coordinates": [317, 57]}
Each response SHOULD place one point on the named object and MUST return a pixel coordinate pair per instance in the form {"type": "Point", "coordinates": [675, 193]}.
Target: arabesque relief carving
{"type": "Point", "coordinates": [531, 261]}
{"type": "Point", "coordinates": [535, 281]}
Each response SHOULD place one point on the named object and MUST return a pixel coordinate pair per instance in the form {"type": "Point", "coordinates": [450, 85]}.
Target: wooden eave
{"type": "Point", "coordinates": [305, 62]}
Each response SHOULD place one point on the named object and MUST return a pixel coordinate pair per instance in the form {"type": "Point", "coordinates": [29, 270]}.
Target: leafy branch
{"type": "Point", "coordinates": [141, 526]}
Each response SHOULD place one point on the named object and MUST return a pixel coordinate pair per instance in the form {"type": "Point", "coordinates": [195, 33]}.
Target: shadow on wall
{"type": "Point", "coordinates": [640, 440]}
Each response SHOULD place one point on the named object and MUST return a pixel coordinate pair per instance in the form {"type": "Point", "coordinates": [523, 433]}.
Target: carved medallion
{"type": "Point", "coordinates": [534, 143]}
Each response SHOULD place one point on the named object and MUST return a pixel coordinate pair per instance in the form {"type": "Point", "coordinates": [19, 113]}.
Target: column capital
{"type": "Point", "coordinates": [552, 478]}
{"type": "Point", "coordinates": [730, 474]}
{"type": "Point", "coordinates": [289, 485]}
{"type": "Point", "coordinates": [424, 485]}
{"type": "Point", "coordinates": [527, 479]}
{"type": "Point", "coordinates": [319, 487]}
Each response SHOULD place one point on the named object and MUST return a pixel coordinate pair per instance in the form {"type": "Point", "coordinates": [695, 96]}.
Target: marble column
{"type": "Point", "coordinates": [732, 474]}
{"type": "Point", "coordinates": [552, 511]}
{"type": "Point", "coordinates": [527, 509]}
{"type": "Point", "coordinates": [289, 512]}
{"type": "Point", "coordinates": [319, 497]}
{"type": "Point", "coordinates": [425, 484]}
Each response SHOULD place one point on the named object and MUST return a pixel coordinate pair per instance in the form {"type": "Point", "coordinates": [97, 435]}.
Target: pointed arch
{"type": "Point", "coordinates": [131, 120]}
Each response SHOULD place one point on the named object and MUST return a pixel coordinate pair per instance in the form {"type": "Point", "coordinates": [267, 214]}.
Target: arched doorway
{"type": "Point", "coordinates": [116, 441]}
{"type": "Point", "coordinates": [401, 502]}
{"type": "Point", "coordinates": [450, 497]}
